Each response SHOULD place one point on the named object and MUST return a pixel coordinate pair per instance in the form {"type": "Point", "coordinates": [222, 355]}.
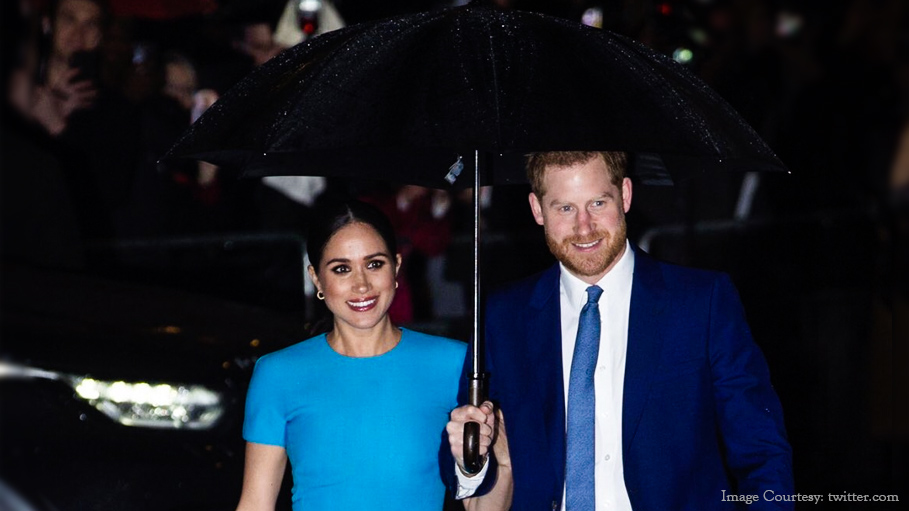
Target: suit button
{"type": "Point", "coordinates": [555, 505]}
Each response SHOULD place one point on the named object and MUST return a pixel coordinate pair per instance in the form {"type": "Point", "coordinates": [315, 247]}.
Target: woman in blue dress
{"type": "Point", "coordinates": [359, 411]}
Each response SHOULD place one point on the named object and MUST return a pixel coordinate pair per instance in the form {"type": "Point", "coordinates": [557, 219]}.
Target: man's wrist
{"type": "Point", "coordinates": [469, 484]}
{"type": "Point", "coordinates": [467, 474]}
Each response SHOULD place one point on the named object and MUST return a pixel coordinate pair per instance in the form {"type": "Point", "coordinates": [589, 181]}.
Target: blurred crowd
{"type": "Point", "coordinates": [105, 88]}
{"type": "Point", "coordinates": [96, 91]}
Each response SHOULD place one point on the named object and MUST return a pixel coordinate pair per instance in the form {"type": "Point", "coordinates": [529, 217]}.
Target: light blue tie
{"type": "Point", "coordinates": [579, 485]}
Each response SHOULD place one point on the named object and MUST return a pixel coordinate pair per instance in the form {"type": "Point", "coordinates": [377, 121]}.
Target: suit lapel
{"type": "Point", "coordinates": [545, 326]}
{"type": "Point", "coordinates": [645, 341]}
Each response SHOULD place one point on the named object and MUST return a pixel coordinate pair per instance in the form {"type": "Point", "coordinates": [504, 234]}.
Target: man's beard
{"type": "Point", "coordinates": [589, 265]}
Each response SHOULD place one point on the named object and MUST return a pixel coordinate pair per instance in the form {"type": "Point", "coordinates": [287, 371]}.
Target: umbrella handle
{"type": "Point", "coordinates": [472, 461]}
{"type": "Point", "coordinates": [476, 395]}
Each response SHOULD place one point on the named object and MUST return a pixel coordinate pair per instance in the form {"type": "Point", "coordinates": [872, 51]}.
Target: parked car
{"type": "Point", "coordinates": [118, 394]}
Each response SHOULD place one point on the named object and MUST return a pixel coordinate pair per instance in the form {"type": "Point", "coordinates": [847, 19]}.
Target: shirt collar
{"type": "Point", "coordinates": [619, 276]}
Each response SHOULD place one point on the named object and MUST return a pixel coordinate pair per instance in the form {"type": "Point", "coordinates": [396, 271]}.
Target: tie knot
{"type": "Point", "coordinates": [593, 294]}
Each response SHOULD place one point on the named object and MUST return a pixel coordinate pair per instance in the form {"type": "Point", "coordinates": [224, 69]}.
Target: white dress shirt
{"type": "Point", "coordinates": [609, 378]}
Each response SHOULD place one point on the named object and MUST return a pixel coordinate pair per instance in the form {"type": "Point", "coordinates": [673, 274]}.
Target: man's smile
{"type": "Point", "coordinates": [589, 245]}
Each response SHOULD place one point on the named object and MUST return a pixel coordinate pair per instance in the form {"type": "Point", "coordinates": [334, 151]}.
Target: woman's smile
{"type": "Point", "coordinates": [363, 305]}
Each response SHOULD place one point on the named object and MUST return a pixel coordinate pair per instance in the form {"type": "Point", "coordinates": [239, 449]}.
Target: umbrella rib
{"type": "Point", "coordinates": [495, 89]}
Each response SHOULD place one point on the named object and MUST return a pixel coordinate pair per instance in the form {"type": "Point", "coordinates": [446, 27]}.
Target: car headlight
{"type": "Point", "coordinates": [150, 405]}
{"type": "Point", "coordinates": [158, 405]}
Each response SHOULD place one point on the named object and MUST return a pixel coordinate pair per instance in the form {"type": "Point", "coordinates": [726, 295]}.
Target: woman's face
{"type": "Point", "coordinates": [357, 276]}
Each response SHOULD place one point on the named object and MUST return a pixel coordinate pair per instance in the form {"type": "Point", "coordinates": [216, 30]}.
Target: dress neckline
{"type": "Point", "coordinates": [394, 348]}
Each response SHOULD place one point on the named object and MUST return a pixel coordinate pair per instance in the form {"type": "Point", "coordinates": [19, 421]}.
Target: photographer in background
{"type": "Point", "coordinates": [92, 123]}
{"type": "Point", "coordinates": [37, 218]}
{"type": "Point", "coordinates": [67, 74]}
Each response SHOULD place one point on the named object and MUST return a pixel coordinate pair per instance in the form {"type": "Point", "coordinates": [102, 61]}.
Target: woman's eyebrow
{"type": "Point", "coordinates": [367, 257]}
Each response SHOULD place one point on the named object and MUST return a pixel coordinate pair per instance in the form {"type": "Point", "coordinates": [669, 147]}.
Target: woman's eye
{"type": "Point", "coordinates": [341, 268]}
{"type": "Point", "coordinates": [374, 265]}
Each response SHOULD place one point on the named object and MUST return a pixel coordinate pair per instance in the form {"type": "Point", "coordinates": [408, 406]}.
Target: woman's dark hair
{"type": "Point", "coordinates": [330, 217]}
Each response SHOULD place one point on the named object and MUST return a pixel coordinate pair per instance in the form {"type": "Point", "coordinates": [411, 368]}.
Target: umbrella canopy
{"type": "Point", "coordinates": [403, 98]}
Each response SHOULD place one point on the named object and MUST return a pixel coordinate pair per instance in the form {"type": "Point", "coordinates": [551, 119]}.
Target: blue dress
{"type": "Point", "coordinates": [360, 433]}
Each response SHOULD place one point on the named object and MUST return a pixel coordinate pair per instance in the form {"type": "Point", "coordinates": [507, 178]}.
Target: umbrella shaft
{"type": "Point", "coordinates": [477, 319]}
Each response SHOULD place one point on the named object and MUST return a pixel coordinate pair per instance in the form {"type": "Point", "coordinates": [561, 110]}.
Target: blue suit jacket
{"type": "Point", "coordinates": [699, 415]}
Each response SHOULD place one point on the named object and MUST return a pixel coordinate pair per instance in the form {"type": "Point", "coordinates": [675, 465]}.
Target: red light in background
{"type": "Point", "coordinates": [665, 9]}
{"type": "Point", "coordinates": [309, 28]}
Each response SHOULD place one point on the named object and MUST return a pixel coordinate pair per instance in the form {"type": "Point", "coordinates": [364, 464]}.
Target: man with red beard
{"type": "Point", "coordinates": [627, 383]}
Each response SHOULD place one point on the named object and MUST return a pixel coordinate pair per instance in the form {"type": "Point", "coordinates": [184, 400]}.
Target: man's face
{"type": "Point", "coordinates": [77, 27]}
{"type": "Point", "coordinates": [583, 215]}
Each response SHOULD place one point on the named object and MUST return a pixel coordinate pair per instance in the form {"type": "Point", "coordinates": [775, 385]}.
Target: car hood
{"type": "Point", "coordinates": [111, 329]}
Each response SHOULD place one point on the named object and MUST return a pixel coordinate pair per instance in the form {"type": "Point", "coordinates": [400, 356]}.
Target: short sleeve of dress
{"type": "Point", "coordinates": [265, 420]}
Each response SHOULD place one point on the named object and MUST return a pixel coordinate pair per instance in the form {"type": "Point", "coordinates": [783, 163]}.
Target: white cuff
{"type": "Point", "coordinates": [467, 485]}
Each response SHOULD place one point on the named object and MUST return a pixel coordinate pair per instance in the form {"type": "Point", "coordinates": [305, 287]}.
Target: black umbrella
{"type": "Point", "coordinates": [419, 98]}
